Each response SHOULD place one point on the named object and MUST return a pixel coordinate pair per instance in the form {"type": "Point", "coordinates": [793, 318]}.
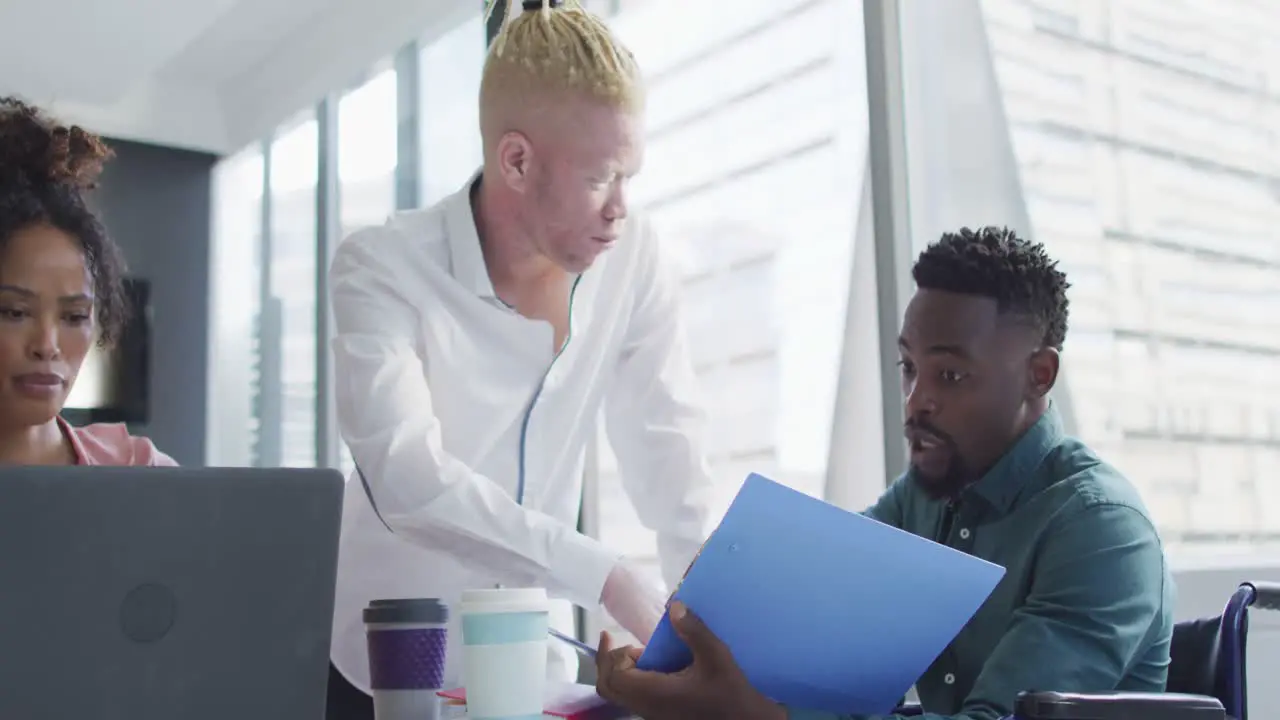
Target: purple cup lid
{"type": "Point", "coordinates": [408, 610]}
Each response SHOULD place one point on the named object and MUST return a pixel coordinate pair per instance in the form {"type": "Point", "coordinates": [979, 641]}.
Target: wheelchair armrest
{"type": "Point", "coordinates": [908, 710]}
{"type": "Point", "coordinates": [1266, 595]}
{"type": "Point", "coordinates": [1117, 706]}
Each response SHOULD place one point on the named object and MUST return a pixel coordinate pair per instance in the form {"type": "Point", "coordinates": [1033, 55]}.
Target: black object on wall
{"type": "Point", "coordinates": [155, 202]}
{"type": "Point", "coordinates": [115, 383]}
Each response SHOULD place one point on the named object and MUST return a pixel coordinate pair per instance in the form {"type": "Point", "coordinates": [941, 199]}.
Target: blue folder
{"type": "Point", "coordinates": [824, 609]}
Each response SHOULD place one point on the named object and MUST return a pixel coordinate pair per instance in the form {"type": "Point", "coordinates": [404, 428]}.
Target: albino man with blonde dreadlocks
{"type": "Point", "coordinates": [478, 340]}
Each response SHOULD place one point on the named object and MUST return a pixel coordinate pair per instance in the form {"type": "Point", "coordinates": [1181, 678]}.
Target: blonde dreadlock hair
{"type": "Point", "coordinates": [557, 48]}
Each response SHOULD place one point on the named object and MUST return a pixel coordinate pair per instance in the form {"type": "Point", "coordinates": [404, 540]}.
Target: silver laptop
{"type": "Point", "coordinates": [166, 593]}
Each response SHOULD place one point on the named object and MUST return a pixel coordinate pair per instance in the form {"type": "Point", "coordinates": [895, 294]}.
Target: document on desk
{"type": "Point", "coordinates": [824, 609]}
{"type": "Point", "coordinates": [572, 701]}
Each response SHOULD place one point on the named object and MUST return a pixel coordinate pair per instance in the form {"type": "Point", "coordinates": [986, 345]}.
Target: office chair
{"type": "Point", "coordinates": [1207, 677]}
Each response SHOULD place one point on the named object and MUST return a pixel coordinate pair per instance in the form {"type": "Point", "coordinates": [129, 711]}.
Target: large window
{"type": "Point", "coordinates": [1147, 153]}
{"type": "Point", "coordinates": [1137, 139]}
{"type": "Point", "coordinates": [235, 307]}
{"type": "Point", "coordinates": [288, 327]}
{"type": "Point", "coordinates": [367, 159]}
{"type": "Point", "coordinates": [753, 129]}
{"type": "Point", "coordinates": [367, 149]}
{"type": "Point", "coordinates": [1140, 139]}
{"type": "Point", "coordinates": [450, 67]}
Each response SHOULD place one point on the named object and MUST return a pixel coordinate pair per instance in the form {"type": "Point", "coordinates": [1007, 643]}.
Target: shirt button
{"type": "Point", "coordinates": [949, 679]}
{"type": "Point", "coordinates": [964, 533]}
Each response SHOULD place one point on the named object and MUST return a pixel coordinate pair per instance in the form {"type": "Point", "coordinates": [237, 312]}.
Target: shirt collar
{"type": "Point", "coordinates": [77, 447]}
{"type": "Point", "coordinates": [466, 257]}
{"type": "Point", "coordinates": [1005, 481]}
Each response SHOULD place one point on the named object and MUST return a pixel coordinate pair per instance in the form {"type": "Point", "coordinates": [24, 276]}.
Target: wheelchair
{"type": "Point", "coordinates": [1207, 679]}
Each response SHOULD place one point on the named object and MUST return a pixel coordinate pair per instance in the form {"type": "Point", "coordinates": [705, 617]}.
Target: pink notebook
{"type": "Point", "coordinates": [569, 700]}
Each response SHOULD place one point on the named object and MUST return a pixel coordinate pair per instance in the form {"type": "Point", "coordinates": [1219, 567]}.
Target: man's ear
{"type": "Point", "coordinates": [515, 152]}
{"type": "Point", "coordinates": [1042, 372]}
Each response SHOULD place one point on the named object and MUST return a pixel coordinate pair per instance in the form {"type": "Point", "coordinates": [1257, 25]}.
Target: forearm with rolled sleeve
{"type": "Point", "coordinates": [655, 421]}
{"type": "Point", "coordinates": [423, 493]}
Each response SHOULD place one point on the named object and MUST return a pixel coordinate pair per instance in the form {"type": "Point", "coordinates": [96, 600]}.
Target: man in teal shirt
{"type": "Point", "coordinates": [1087, 601]}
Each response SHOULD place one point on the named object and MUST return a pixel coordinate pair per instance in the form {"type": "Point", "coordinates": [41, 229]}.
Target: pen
{"type": "Point", "coordinates": [580, 646]}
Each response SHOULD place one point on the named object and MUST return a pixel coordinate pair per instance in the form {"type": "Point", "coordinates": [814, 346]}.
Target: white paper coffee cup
{"type": "Point", "coordinates": [504, 636]}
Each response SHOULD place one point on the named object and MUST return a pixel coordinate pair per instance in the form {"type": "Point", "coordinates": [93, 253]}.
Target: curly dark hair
{"type": "Point", "coordinates": [994, 262]}
{"type": "Point", "coordinates": [45, 169]}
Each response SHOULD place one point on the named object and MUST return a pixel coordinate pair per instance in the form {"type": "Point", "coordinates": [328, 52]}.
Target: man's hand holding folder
{"type": "Point", "coordinates": [712, 687]}
{"type": "Point", "coordinates": [776, 582]}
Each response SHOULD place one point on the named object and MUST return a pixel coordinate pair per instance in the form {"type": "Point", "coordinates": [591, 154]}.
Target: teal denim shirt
{"type": "Point", "coordinates": [1087, 600]}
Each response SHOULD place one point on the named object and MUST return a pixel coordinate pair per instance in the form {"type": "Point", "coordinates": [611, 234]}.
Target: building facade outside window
{"type": "Point", "coordinates": [1146, 136]}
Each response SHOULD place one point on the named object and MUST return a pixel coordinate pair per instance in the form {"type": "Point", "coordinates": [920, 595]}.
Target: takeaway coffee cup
{"type": "Point", "coordinates": [504, 636]}
{"type": "Point", "coordinates": [407, 641]}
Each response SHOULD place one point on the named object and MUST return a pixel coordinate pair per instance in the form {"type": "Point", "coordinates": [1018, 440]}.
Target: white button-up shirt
{"type": "Point", "coordinates": [453, 405]}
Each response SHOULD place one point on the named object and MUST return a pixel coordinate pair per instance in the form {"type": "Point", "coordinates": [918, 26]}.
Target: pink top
{"type": "Point", "coordinates": [111, 444]}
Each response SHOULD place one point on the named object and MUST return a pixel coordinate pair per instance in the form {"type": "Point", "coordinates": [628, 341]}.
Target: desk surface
{"type": "Point", "coordinates": [461, 714]}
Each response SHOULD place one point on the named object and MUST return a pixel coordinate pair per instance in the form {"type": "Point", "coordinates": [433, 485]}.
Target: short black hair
{"type": "Point", "coordinates": [45, 170]}
{"type": "Point", "coordinates": [994, 262]}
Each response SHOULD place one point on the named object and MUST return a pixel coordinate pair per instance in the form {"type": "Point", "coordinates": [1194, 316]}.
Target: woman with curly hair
{"type": "Point", "coordinates": [60, 292]}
